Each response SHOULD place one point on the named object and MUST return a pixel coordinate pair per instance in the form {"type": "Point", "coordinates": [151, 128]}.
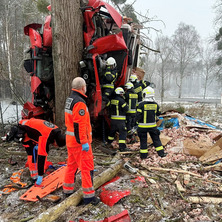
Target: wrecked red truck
{"type": "Point", "coordinates": [104, 37]}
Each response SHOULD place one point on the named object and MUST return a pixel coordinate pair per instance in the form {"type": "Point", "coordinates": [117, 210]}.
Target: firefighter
{"type": "Point", "coordinates": [144, 83]}
{"type": "Point", "coordinates": [132, 100]}
{"type": "Point", "coordinates": [78, 142]}
{"type": "Point", "coordinates": [146, 118]}
{"type": "Point", "coordinates": [118, 110]}
{"type": "Point", "coordinates": [137, 86]}
{"type": "Point", "coordinates": [109, 80]}
{"type": "Point", "coordinates": [36, 135]}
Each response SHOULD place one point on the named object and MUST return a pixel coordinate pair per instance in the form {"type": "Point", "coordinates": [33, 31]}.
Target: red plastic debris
{"type": "Point", "coordinates": [121, 217]}
{"type": "Point", "coordinates": [110, 197]}
{"type": "Point", "coordinates": [142, 179]}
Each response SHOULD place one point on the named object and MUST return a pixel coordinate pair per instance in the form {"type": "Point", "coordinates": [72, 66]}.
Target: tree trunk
{"type": "Point", "coordinates": [8, 48]}
{"type": "Point", "coordinates": [180, 85]}
{"type": "Point", "coordinates": [67, 50]}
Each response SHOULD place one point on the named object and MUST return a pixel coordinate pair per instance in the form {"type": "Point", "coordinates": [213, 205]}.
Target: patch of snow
{"type": "Point", "coordinates": [10, 112]}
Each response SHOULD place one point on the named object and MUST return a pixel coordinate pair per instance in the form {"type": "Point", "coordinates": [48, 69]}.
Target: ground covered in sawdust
{"type": "Point", "coordinates": [155, 195]}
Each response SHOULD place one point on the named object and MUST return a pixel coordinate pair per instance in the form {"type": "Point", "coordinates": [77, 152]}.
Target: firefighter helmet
{"type": "Point", "coordinates": [119, 91]}
{"type": "Point", "coordinates": [111, 62]}
{"type": "Point", "coordinates": [133, 78]}
{"type": "Point", "coordinates": [148, 92]}
{"type": "Point", "coordinates": [129, 85]}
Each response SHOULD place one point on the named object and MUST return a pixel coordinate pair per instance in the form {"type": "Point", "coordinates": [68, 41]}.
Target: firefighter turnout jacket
{"type": "Point", "coordinates": [146, 117]}
{"type": "Point", "coordinates": [118, 108]}
{"type": "Point", "coordinates": [138, 88]}
{"type": "Point", "coordinates": [79, 132]}
{"type": "Point", "coordinates": [109, 78]}
{"type": "Point", "coordinates": [43, 133]}
{"type": "Point", "coordinates": [131, 99]}
{"type": "Point", "coordinates": [108, 83]}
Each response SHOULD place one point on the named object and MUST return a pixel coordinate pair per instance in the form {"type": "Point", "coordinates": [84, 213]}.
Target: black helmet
{"type": "Point", "coordinates": [16, 133]}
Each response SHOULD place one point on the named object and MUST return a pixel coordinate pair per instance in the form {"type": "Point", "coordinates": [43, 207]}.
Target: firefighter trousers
{"type": "Point", "coordinates": [118, 126]}
{"type": "Point", "coordinates": [154, 134]}
{"type": "Point", "coordinates": [82, 160]}
{"type": "Point", "coordinates": [130, 121]}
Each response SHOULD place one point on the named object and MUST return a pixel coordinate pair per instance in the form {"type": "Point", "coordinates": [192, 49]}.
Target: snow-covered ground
{"type": "Point", "coordinates": [9, 112]}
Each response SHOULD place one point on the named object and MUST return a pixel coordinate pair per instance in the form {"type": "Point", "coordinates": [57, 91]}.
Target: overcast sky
{"type": "Point", "coordinates": [198, 13]}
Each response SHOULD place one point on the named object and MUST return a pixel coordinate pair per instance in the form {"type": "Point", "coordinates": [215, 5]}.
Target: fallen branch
{"type": "Point", "coordinates": [180, 171]}
{"type": "Point", "coordinates": [104, 164]}
{"type": "Point", "coordinates": [54, 212]}
{"type": "Point", "coordinates": [129, 152]}
{"type": "Point", "coordinates": [217, 167]}
{"type": "Point", "coordinates": [199, 200]}
{"type": "Point", "coordinates": [100, 154]}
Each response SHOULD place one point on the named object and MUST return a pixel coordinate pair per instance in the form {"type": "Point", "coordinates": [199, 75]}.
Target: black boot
{"type": "Point", "coordinates": [94, 201]}
{"type": "Point", "coordinates": [124, 149]}
{"type": "Point", "coordinates": [161, 153]}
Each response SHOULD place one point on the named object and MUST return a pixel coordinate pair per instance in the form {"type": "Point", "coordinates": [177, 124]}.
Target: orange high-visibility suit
{"type": "Point", "coordinates": [43, 133]}
{"type": "Point", "coordinates": [79, 131]}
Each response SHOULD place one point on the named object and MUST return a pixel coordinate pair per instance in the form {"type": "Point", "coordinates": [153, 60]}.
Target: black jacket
{"type": "Point", "coordinates": [132, 100]}
{"type": "Point", "coordinates": [146, 114]}
{"type": "Point", "coordinates": [118, 108]}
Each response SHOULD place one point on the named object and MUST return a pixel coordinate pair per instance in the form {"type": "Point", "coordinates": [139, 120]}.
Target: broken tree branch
{"type": "Point", "coordinates": [180, 171]}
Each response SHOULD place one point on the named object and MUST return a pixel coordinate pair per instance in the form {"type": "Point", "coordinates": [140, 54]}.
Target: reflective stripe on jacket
{"type": "Point", "coordinates": [109, 78]}
{"type": "Point", "coordinates": [118, 108]}
{"type": "Point", "coordinates": [77, 120]}
{"type": "Point", "coordinates": [146, 114]}
{"type": "Point", "coordinates": [132, 100]}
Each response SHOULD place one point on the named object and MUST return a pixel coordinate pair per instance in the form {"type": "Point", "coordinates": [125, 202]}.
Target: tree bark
{"type": "Point", "coordinates": [53, 213]}
{"type": "Point", "coordinates": [67, 50]}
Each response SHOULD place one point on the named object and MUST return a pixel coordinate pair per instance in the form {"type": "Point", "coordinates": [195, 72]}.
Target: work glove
{"type": "Point", "coordinates": [39, 180]}
{"type": "Point", "coordinates": [85, 147]}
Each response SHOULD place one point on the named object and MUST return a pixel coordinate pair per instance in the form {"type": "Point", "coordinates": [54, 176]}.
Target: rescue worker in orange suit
{"type": "Point", "coordinates": [109, 80]}
{"type": "Point", "coordinates": [78, 142]}
{"type": "Point", "coordinates": [137, 86]}
{"type": "Point", "coordinates": [146, 118]}
{"type": "Point", "coordinates": [36, 135]}
{"type": "Point", "coordinates": [118, 109]}
{"type": "Point", "coordinates": [132, 100]}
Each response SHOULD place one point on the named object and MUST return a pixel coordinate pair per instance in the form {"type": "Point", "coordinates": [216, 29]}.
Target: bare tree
{"type": "Point", "coordinates": [67, 50]}
{"type": "Point", "coordinates": [164, 67]}
{"type": "Point", "coordinates": [210, 69]}
{"type": "Point", "coordinates": [186, 48]}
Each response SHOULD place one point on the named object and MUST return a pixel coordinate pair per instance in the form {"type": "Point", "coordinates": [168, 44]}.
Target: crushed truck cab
{"type": "Point", "coordinates": [104, 36]}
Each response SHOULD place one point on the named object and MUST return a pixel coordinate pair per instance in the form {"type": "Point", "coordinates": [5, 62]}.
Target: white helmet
{"type": "Point", "coordinates": [133, 78]}
{"type": "Point", "coordinates": [129, 85]}
{"type": "Point", "coordinates": [148, 92]}
{"type": "Point", "coordinates": [111, 62]}
{"type": "Point", "coordinates": [119, 91]}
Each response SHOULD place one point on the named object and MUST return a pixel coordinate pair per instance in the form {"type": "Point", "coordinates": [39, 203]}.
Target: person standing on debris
{"type": "Point", "coordinates": [109, 79]}
{"type": "Point", "coordinates": [36, 135]}
{"type": "Point", "coordinates": [137, 86]}
{"type": "Point", "coordinates": [118, 109]}
{"type": "Point", "coordinates": [131, 99]}
{"type": "Point", "coordinates": [146, 117]}
{"type": "Point", "coordinates": [78, 142]}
